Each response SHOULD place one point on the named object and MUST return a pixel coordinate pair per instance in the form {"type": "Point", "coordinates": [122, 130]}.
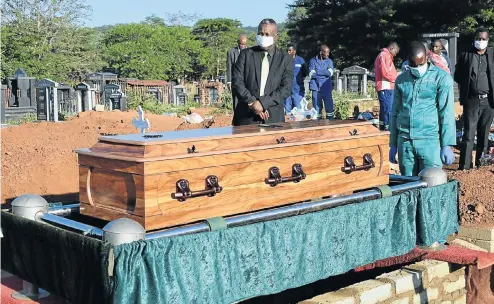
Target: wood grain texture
{"type": "Point", "coordinates": [117, 185]}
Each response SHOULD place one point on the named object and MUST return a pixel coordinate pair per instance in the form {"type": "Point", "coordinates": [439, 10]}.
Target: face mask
{"type": "Point", "coordinates": [418, 71]}
{"type": "Point", "coordinates": [264, 41]}
{"type": "Point", "coordinates": [481, 44]}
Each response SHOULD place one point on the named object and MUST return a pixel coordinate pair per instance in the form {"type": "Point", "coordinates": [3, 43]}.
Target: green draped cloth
{"type": "Point", "coordinates": [265, 258]}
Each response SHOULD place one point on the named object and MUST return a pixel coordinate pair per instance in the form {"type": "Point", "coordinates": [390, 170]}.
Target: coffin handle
{"type": "Point", "coordinates": [349, 165]}
{"type": "Point", "coordinates": [183, 191]}
{"type": "Point", "coordinates": [275, 177]}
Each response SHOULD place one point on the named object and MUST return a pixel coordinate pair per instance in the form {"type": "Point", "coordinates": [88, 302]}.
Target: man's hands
{"type": "Point", "coordinates": [257, 108]}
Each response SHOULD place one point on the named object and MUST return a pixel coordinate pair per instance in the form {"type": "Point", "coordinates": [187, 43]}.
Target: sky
{"type": "Point", "coordinates": [250, 12]}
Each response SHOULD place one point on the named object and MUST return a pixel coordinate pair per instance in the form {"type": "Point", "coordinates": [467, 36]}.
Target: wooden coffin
{"type": "Point", "coordinates": [173, 178]}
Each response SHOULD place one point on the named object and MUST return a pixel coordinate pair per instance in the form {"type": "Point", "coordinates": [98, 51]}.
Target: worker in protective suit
{"type": "Point", "coordinates": [299, 73]}
{"type": "Point", "coordinates": [422, 125]}
{"type": "Point", "coordinates": [321, 70]}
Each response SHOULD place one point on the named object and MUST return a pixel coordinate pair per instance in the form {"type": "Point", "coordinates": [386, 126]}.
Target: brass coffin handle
{"type": "Point", "coordinates": [275, 177]}
{"type": "Point", "coordinates": [184, 192]}
{"type": "Point", "coordinates": [349, 164]}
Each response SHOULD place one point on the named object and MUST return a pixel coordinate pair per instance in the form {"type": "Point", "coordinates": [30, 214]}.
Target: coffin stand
{"type": "Point", "coordinates": [174, 178]}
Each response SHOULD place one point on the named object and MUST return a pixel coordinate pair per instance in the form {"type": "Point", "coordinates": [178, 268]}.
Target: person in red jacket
{"type": "Point", "coordinates": [386, 74]}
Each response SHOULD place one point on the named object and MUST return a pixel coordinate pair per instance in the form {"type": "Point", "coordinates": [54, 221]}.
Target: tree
{"type": "Point", "coordinates": [217, 36]}
{"type": "Point", "coordinates": [355, 30]}
{"type": "Point", "coordinates": [150, 51]}
{"type": "Point", "coordinates": [47, 39]}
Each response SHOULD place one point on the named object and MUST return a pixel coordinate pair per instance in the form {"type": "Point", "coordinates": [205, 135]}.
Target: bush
{"type": "Point", "coordinates": [149, 103]}
{"type": "Point", "coordinates": [26, 118]}
{"type": "Point", "coordinates": [342, 108]}
{"type": "Point", "coordinates": [226, 105]}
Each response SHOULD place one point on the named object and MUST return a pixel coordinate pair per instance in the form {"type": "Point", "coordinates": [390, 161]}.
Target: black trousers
{"type": "Point", "coordinates": [477, 118]}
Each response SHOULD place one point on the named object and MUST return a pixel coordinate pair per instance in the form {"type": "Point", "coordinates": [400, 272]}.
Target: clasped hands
{"type": "Point", "coordinates": [257, 108]}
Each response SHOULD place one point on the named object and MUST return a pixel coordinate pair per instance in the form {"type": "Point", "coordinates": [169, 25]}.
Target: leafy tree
{"type": "Point", "coordinates": [47, 39]}
{"type": "Point", "coordinates": [150, 51]}
{"type": "Point", "coordinates": [356, 30]}
{"type": "Point", "coordinates": [217, 35]}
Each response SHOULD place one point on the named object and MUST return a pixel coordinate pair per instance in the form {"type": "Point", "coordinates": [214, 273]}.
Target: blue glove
{"type": "Point", "coordinates": [392, 155]}
{"type": "Point", "coordinates": [447, 155]}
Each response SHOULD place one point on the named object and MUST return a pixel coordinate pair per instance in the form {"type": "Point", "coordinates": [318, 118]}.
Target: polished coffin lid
{"type": "Point", "coordinates": [161, 146]}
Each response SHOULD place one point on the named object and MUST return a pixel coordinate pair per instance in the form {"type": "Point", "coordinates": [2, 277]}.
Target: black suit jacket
{"type": "Point", "coordinates": [463, 71]}
{"type": "Point", "coordinates": [246, 85]}
{"type": "Point", "coordinates": [231, 59]}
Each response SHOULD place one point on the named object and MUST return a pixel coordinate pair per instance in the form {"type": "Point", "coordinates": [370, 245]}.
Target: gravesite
{"type": "Point", "coordinates": [292, 151]}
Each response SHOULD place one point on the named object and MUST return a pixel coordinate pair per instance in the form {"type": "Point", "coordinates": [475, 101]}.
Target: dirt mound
{"type": "Point", "coordinates": [476, 194]}
{"type": "Point", "coordinates": [39, 157]}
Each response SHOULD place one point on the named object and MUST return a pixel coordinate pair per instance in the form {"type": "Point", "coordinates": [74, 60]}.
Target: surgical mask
{"type": "Point", "coordinates": [264, 41]}
{"type": "Point", "coordinates": [418, 71]}
{"type": "Point", "coordinates": [481, 44]}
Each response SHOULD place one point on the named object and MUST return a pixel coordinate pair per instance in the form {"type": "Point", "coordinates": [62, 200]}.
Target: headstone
{"type": "Point", "coordinates": [180, 93]}
{"type": "Point", "coordinates": [2, 104]}
{"type": "Point", "coordinates": [21, 90]}
{"type": "Point", "coordinates": [84, 100]}
{"type": "Point", "coordinates": [47, 104]}
{"type": "Point", "coordinates": [355, 79]}
{"type": "Point", "coordinates": [114, 98]}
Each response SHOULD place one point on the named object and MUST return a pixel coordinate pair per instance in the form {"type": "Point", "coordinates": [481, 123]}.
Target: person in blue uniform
{"type": "Point", "coordinates": [320, 71]}
{"type": "Point", "coordinates": [422, 125]}
{"type": "Point", "coordinates": [299, 73]}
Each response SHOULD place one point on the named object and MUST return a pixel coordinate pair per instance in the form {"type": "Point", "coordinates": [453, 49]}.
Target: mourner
{"type": "Point", "coordinates": [261, 94]}
{"type": "Point", "coordinates": [437, 48]}
{"type": "Point", "coordinates": [422, 124]}
{"type": "Point", "coordinates": [231, 59]}
{"type": "Point", "coordinates": [298, 89]}
{"type": "Point", "coordinates": [474, 74]}
{"type": "Point", "coordinates": [386, 74]}
{"type": "Point", "coordinates": [321, 70]}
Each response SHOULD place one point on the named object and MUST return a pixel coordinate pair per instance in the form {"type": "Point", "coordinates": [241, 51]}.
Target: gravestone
{"type": "Point", "coordinates": [85, 100]}
{"type": "Point", "coordinates": [355, 80]}
{"type": "Point", "coordinates": [47, 100]}
{"type": "Point", "coordinates": [114, 97]}
{"type": "Point", "coordinates": [21, 90]}
{"type": "Point", "coordinates": [180, 93]}
{"type": "Point", "coordinates": [2, 104]}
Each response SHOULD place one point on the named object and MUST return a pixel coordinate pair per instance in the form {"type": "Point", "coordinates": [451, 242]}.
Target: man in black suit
{"type": "Point", "coordinates": [475, 76]}
{"type": "Point", "coordinates": [262, 79]}
{"type": "Point", "coordinates": [231, 59]}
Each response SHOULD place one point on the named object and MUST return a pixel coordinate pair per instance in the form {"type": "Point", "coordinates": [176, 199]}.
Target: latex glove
{"type": "Point", "coordinates": [392, 155]}
{"type": "Point", "coordinates": [447, 155]}
{"type": "Point", "coordinates": [229, 86]}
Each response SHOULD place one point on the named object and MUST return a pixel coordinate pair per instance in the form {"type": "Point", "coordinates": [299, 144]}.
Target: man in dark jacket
{"type": "Point", "coordinates": [231, 59]}
{"type": "Point", "coordinates": [262, 79]}
{"type": "Point", "coordinates": [475, 76]}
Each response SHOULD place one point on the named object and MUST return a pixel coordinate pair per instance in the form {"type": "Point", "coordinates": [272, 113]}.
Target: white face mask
{"type": "Point", "coordinates": [419, 71]}
{"type": "Point", "coordinates": [264, 41]}
{"type": "Point", "coordinates": [481, 44]}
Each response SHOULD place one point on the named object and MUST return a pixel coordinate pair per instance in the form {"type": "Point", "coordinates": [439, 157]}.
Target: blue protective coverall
{"type": "Point", "coordinates": [422, 119]}
{"type": "Point", "coordinates": [321, 86]}
{"type": "Point", "coordinates": [298, 90]}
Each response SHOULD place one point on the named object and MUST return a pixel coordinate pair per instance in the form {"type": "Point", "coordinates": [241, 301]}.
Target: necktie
{"type": "Point", "coordinates": [264, 73]}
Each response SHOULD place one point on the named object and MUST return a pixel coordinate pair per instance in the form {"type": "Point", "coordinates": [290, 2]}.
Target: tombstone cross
{"type": "Point", "coordinates": [140, 122]}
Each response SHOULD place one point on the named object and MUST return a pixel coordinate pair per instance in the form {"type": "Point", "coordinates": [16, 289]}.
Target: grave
{"type": "Point", "coordinates": [21, 90]}
{"type": "Point", "coordinates": [99, 80]}
{"type": "Point", "coordinates": [2, 104]}
{"type": "Point", "coordinates": [180, 94]}
{"type": "Point", "coordinates": [114, 98]}
{"type": "Point", "coordinates": [47, 93]}
{"type": "Point", "coordinates": [355, 80]}
{"type": "Point", "coordinates": [86, 99]}
{"type": "Point", "coordinates": [67, 100]}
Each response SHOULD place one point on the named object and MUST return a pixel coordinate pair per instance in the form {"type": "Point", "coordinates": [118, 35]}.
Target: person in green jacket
{"type": "Point", "coordinates": [422, 125]}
